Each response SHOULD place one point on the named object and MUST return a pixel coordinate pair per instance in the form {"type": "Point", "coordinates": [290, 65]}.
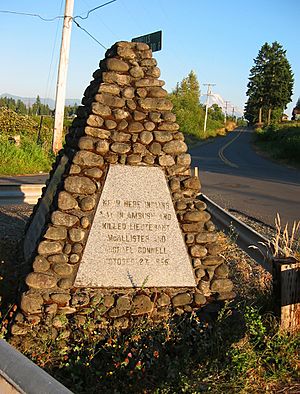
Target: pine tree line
{"type": "Point", "coordinates": [37, 108]}
{"type": "Point", "coordinates": [270, 86]}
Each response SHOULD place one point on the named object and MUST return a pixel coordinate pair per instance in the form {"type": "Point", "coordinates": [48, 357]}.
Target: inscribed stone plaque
{"type": "Point", "coordinates": [135, 239]}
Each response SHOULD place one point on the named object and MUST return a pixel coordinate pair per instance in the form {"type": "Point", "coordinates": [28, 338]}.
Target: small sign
{"type": "Point", "coordinates": [154, 40]}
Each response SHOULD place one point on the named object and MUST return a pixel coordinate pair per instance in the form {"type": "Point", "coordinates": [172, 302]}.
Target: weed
{"type": "Point", "coordinates": [285, 243]}
{"type": "Point", "coordinates": [232, 234]}
{"type": "Point", "coordinates": [265, 357]}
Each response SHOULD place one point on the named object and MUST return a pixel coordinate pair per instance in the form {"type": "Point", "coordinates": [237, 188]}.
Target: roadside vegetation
{"type": "Point", "coordinates": [25, 137]}
{"type": "Point", "coordinates": [270, 89]}
{"type": "Point", "coordinates": [242, 351]}
{"type": "Point", "coordinates": [25, 146]}
{"type": "Point", "coordinates": [281, 141]}
{"type": "Point", "coordinates": [29, 158]}
{"type": "Point", "coordinates": [190, 113]}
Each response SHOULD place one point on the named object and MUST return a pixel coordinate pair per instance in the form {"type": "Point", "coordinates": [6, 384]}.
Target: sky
{"type": "Point", "coordinates": [217, 39]}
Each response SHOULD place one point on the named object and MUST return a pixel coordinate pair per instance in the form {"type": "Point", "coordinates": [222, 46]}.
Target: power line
{"type": "Point", "coordinates": [55, 17]}
{"type": "Point", "coordinates": [61, 17]}
{"type": "Point", "coordinates": [34, 15]}
{"type": "Point", "coordinates": [89, 34]}
{"type": "Point", "coordinates": [93, 9]}
{"type": "Point", "coordinates": [52, 57]}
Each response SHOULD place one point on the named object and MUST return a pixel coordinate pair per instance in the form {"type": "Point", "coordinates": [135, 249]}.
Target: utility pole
{"type": "Point", "coordinates": [226, 106]}
{"type": "Point", "coordinates": [207, 99]}
{"type": "Point", "coordinates": [62, 77]}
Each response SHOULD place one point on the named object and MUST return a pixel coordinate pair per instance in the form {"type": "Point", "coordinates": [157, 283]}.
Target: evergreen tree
{"type": "Point", "coordinates": [36, 107]}
{"type": "Point", "coordinates": [270, 84]}
{"type": "Point", "coordinates": [71, 110]}
{"type": "Point", "coordinates": [21, 107]}
{"type": "Point", "coordinates": [40, 109]}
{"type": "Point", "coordinates": [8, 102]}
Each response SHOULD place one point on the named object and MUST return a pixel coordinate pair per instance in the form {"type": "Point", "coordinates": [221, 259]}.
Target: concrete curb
{"type": "Point", "coordinates": [20, 375]}
{"type": "Point", "coordinates": [14, 194]}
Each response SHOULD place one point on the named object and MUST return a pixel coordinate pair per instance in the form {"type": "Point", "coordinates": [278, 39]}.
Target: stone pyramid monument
{"type": "Point", "coordinates": [119, 231]}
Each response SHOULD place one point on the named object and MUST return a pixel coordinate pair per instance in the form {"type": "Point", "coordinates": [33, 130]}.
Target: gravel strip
{"type": "Point", "coordinates": [13, 219]}
{"type": "Point", "coordinates": [249, 278]}
{"type": "Point", "coordinates": [12, 224]}
{"type": "Point", "coordinates": [262, 228]}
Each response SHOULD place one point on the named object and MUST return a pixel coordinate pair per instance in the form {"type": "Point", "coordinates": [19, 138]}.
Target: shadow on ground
{"type": "Point", "coordinates": [12, 225]}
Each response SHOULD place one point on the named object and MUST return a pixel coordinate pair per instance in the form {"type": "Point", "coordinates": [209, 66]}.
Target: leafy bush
{"type": "Point", "coordinates": [190, 113]}
{"type": "Point", "coordinates": [266, 357]}
{"type": "Point", "coordinates": [281, 141]}
{"type": "Point", "coordinates": [12, 123]}
{"type": "Point", "coordinates": [28, 158]}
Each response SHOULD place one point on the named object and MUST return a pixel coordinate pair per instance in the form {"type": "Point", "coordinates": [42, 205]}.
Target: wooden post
{"type": "Point", "coordinates": [62, 77]}
{"type": "Point", "coordinates": [38, 141]}
{"type": "Point", "coordinates": [286, 280]}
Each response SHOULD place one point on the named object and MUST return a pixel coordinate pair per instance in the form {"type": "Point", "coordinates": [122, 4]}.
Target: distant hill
{"type": "Point", "coordinates": [28, 101]}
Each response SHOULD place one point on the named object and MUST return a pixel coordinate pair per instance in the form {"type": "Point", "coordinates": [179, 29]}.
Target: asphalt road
{"type": "Point", "coordinates": [24, 179]}
{"type": "Point", "coordinates": [236, 177]}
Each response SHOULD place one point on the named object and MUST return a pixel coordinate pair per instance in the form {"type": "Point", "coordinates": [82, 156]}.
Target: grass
{"type": "Point", "coordinates": [34, 153]}
{"type": "Point", "coordinates": [286, 242]}
{"type": "Point", "coordinates": [282, 142]}
{"type": "Point", "coordinates": [29, 158]}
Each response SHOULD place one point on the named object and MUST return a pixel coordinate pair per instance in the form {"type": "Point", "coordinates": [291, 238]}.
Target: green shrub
{"type": "Point", "coordinates": [281, 141]}
{"type": "Point", "coordinates": [266, 357]}
{"type": "Point", "coordinates": [28, 158]}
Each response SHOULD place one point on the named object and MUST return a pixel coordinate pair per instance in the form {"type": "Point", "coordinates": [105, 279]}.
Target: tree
{"type": "Point", "coordinates": [186, 100]}
{"type": "Point", "coordinates": [36, 107]}
{"type": "Point", "coordinates": [71, 110]}
{"type": "Point", "coordinates": [216, 113]}
{"type": "Point", "coordinates": [40, 109]}
{"type": "Point", "coordinates": [21, 107]}
{"type": "Point", "coordinates": [270, 84]}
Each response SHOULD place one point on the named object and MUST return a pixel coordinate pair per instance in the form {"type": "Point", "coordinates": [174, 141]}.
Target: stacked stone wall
{"type": "Point", "coordinates": [126, 118]}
